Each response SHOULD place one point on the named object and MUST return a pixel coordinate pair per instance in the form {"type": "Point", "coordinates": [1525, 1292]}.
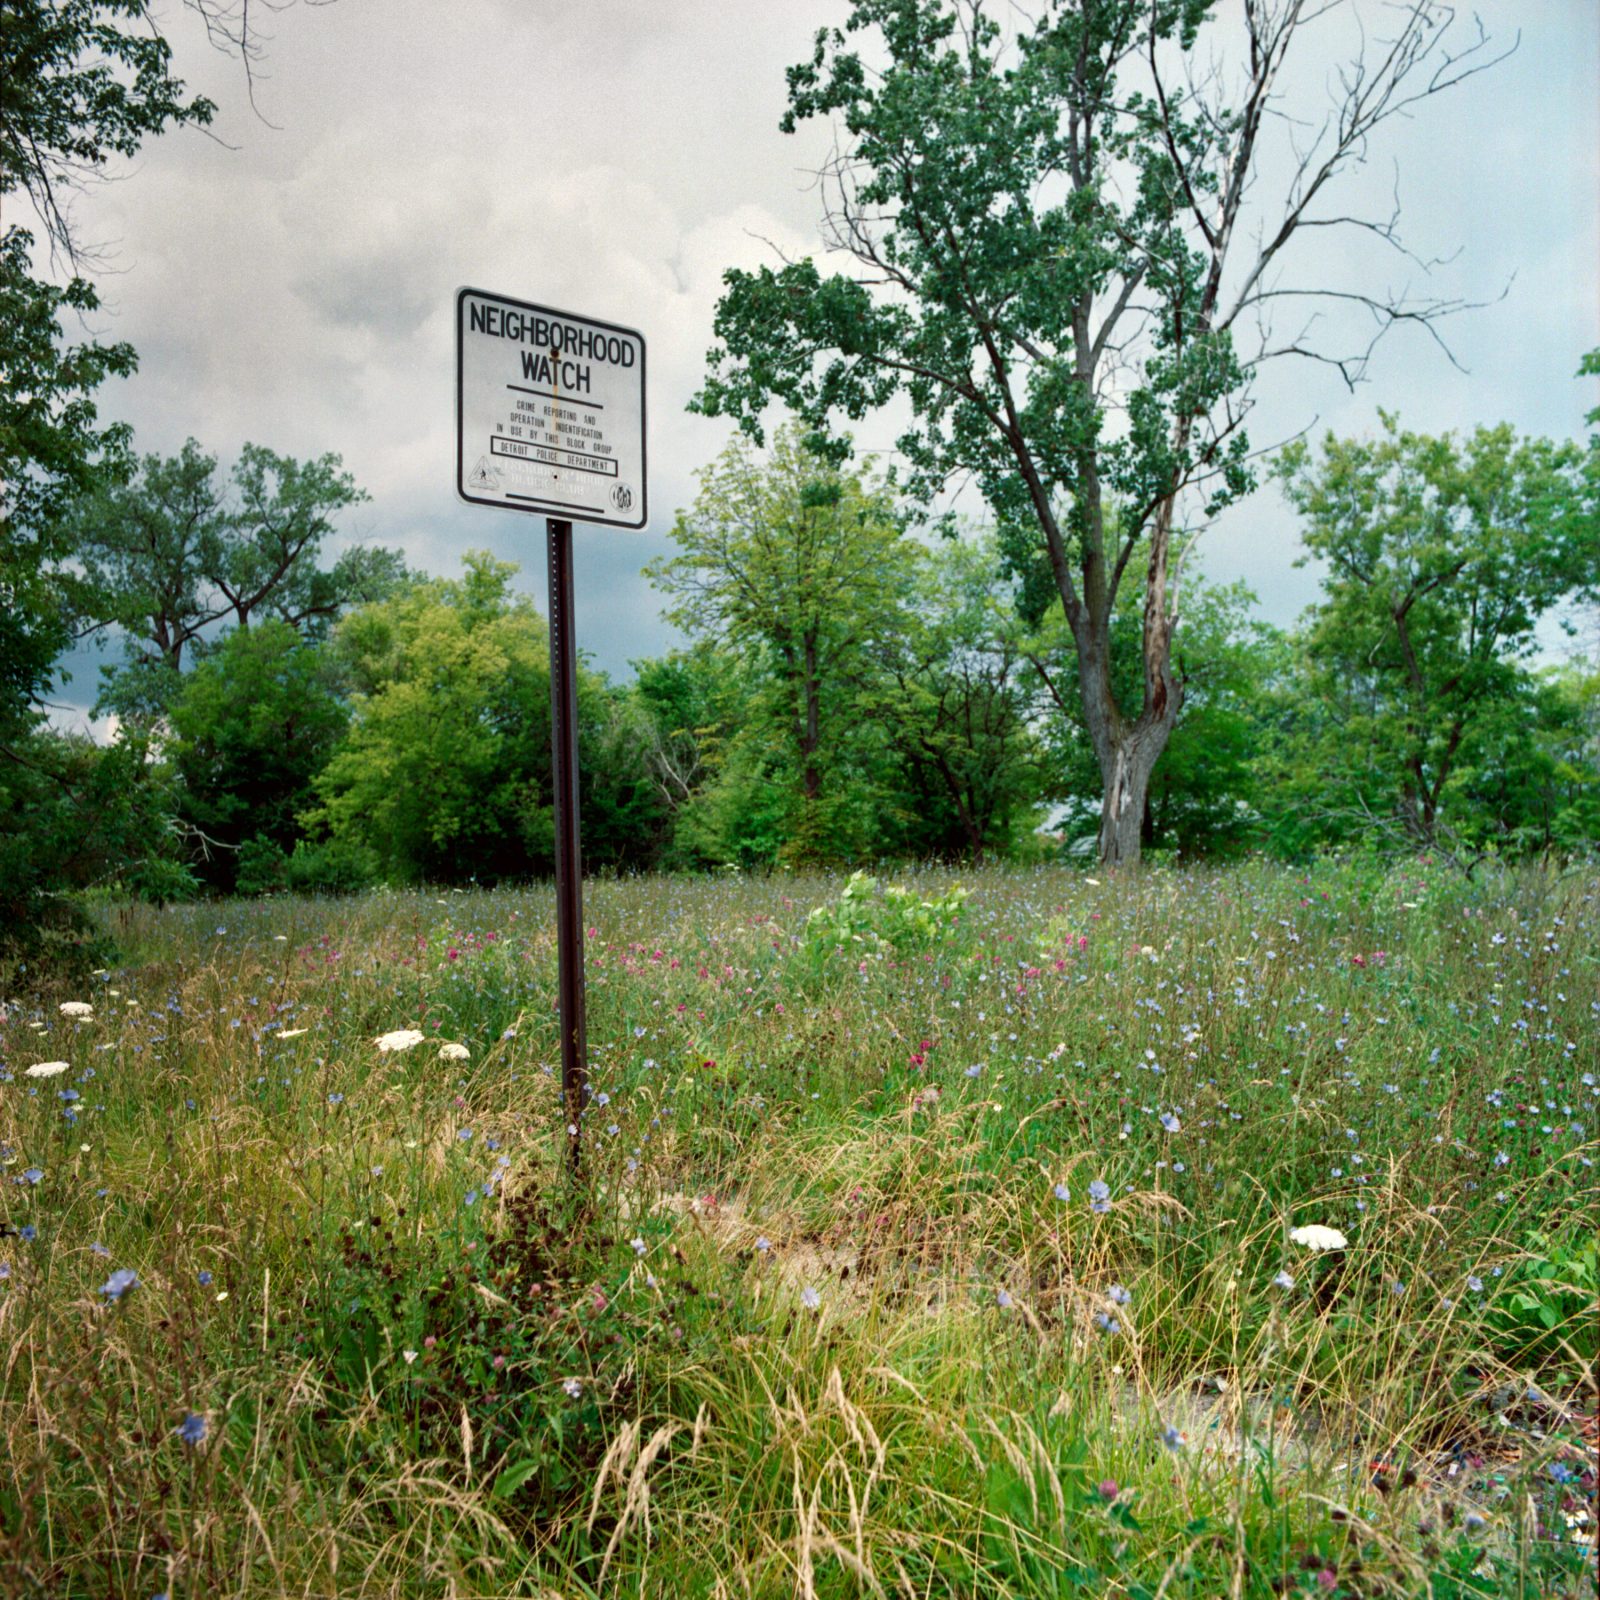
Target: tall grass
{"type": "Point", "coordinates": [836, 1310]}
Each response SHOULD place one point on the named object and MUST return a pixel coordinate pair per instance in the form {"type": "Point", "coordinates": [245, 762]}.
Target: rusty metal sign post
{"type": "Point", "coordinates": [550, 418]}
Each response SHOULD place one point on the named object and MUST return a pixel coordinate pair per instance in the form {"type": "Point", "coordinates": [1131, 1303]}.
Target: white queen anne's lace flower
{"type": "Point", "coordinates": [76, 1008]}
{"type": "Point", "coordinates": [46, 1069]}
{"type": "Point", "coordinates": [399, 1039]}
{"type": "Point", "coordinates": [451, 1051]}
{"type": "Point", "coordinates": [1314, 1236]}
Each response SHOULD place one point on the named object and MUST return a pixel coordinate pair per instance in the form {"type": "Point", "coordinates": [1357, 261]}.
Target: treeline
{"type": "Point", "coordinates": [854, 690]}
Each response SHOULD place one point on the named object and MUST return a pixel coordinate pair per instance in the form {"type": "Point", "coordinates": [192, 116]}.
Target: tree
{"type": "Point", "coordinates": [76, 815]}
{"type": "Point", "coordinates": [1206, 786]}
{"type": "Point", "coordinates": [1050, 267]}
{"type": "Point", "coordinates": [75, 89]}
{"type": "Point", "coordinates": [169, 553]}
{"type": "Point", "coordinates": [444, 773]}
{"type": "Point", "coordinates": [960, 710]}
{"type": "Point", "coordinates": [804, 567]}
{"type": "Point", "coordinates": [1442, 557]}
{"type": "Point", "coordinates": [51, 450]}
{"type": "Point", "coordinates": [252, 726]}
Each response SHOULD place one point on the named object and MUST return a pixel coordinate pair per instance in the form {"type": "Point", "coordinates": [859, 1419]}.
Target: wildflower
{"type": "Point", "coordinates": [639, 1246]}
{"type": "Point", "coordinates": [573, 1386]}
{"type": "Point", "coordinates": [203, 1278]}
{"type": "Point", "coordinates": [974, 1069]}
{"type": "Point", "coordinates": [1284, 1280]}
{"type": "Point", "coordinates": [1474, 1520]}
{"type": "Point", "coordinates": [1106, 1323]}
{"type": "Point", "coordinates": [1170, 1122]}
{"type": "Point", "coordinates": [1002, 1299]}
{"type": "Point", "coordinates": [400, 1039]}
{"type": "Point", "coordinates": [1475, 1283]}
{"type": "Point", "coordinates": [98, 1249]}
{"type": "Point", "coordinates": [192, 1430]}
{"type": "Point", "coordinates": [1314, 1236]}
{"type": "Point", "coordinates": [1174, 1438]}
{"type": "Point", "coordinates": [763, 1244]}
{"type": "Point", "coordinates": [1062, 1192]}
{"type": "Point", "coordinates": [1107, 1489]}
{"type": "Point", "coordinates": [1117, 1295]}
{"type": "Point", "coordinates": [119, 1283]}
{"type": "Point", "coordinates": [408, 1356]}
{"type": "Point", "coordinates": [810, 1299]}
{"type": "Point", "coordinates": [46, 1069]}
{"type": "Point", "coordinates": [450, 1051]}
{"type": "Point", "coordinates": [1099, 1196]}
{"type": "Point", "coordinates": [33, 1174]}
{"type": "Point", "coordinates": [464, 1134]}
{"type": "Point", "coordinates": [76, 1008]}
{"type": "Point", "coordinates": [335, 1099]}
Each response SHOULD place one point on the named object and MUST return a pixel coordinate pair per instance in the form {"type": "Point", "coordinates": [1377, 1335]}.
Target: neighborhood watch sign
{"type": "Point", "coordinates": [549, 411]}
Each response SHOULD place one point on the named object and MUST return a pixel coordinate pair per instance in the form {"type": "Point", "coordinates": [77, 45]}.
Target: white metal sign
{"type": "Point", "coordinates": [549, 411]}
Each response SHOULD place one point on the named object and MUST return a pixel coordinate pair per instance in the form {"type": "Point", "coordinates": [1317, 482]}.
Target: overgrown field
{"type": "Point", "coordinates": [928, 1247]}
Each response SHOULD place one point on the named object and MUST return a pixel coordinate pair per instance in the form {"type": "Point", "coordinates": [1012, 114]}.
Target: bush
{"type": "Point", "coordinates": [330, 866]}
{"type": "Point", "coordinates": [262, 867]}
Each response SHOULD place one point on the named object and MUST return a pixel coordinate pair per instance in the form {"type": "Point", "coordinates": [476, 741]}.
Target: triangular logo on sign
{"type": "Point", "coordinates": [483, 475]}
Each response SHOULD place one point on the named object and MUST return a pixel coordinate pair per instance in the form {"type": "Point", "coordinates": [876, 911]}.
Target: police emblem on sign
{"type": "Point", "coordinates": [622, 497]}
{"type": "Point", "coordinates": [483, 475]}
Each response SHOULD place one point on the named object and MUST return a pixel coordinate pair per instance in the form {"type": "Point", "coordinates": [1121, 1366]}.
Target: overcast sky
{"type": "Point", "coordinates": [292, 284]}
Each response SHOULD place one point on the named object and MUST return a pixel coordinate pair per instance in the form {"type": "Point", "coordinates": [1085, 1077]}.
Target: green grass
{"type": "Point", "coordinates": [818, 1323]}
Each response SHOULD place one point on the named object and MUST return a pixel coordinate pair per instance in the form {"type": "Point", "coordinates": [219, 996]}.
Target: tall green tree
{"type": "Point", "coordinates": [960, 709]}
{"type": "Point", "coordinates": [444, 773]}
{"type": "Point", "coordinates": [803, 567]}
{"type": "Point", "coordinates": [1442, 555]}
{"type": "Point", "coordinates": [171, 554]}
{"type": "Point", "coordinates": [81, 81]}
{"type": "Point", "coordinates": [1044, 216]}
{"type": "Point", "coordinates": [251, 727]}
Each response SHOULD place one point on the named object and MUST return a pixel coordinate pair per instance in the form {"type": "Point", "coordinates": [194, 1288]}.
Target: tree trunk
{"type": "Point", "coordinates": [811, 734]}
{"type": "Point", "coordinates": [1127, 788]}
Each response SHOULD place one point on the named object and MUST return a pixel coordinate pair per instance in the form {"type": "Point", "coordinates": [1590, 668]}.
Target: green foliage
{"type": "Point", "coordinates": [1442, 557]}
{"type": "Point", "coordinates": [800, 568]}
{"type": "Point", "coordinates": [1545, 1308]}
{"type": "Point", "coordinates": [83, 80]}
{"type": "Point", "coordinates": [444, 773]}
{"type": "Point", "coordinates": [1206, 786]}
{"type": "Point", "coordinates": [869, 920]}
{"type": "Point", "coordinates": [77, 817]}
{"type": "Point", "coordinates": [960, 712]}
{"type": "Point", "coordinates": [330, 866]}
{"type": "Point", "coordinates": [252, 725]}
{"type": "Point", "coordinates": [169, 553]}
{"type": "Point", "coordinates": [51, 451]}
{"type": "Point", "coordinates": [1042, 237]}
